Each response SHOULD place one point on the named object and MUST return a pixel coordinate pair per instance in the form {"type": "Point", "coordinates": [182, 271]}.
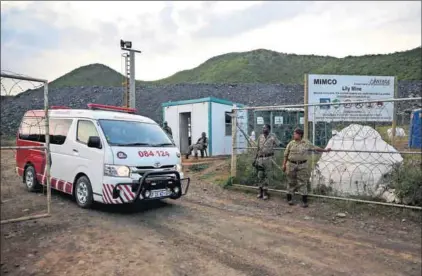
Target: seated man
{"type": "Point", "coordinates": [200, 145]}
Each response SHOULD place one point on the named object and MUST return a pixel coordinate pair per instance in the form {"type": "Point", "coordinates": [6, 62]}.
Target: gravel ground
{"type": "Point", "coordinates": [211, 231]}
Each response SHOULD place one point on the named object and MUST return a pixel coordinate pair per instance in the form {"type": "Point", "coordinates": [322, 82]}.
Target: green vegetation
{"type": "Point", "coordinates": [208, 175]}
{"type": "Point", "coordinates": [228, 182]}
{"type": "Point", "coordinates": [407, 181]}
{"type": "Point", "coordinates": [198, 167]}
{"type": "Point", "coordinates": [90, 75]}
{"type": "Point", "coordinates": [216, 177]}
{"type": "Point", "coordinates": [246, 174]}
{"type": "Point", "coordinates": [262, 66]}
{"type": "Point", "coordinates": [406, 178]}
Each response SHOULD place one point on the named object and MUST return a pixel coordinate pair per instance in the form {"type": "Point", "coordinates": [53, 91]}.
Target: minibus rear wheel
{"type": "Point", "coordinates": [31, 180]}
{"type": "Point", "coordinates": [83, 192]}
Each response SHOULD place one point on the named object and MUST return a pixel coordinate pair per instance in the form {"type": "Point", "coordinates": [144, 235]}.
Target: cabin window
{"type": "Point", "coordinates": [228, 123]}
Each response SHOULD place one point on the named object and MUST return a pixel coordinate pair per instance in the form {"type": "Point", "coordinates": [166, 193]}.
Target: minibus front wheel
{"type": "Point", "coordinates": [83, 192]}
{"type": "Point", "coordinates": [30, 179]}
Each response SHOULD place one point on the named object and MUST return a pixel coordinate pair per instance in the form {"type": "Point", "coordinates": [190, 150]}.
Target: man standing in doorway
{"type": "Point", "coordinates": [295, 165]}
{"type": "Point", "coordinates": [200, 145]}
{"type": "Point", "coordinates": [264, 158]}
{"type": "Point", "coordinates": [167, 129]}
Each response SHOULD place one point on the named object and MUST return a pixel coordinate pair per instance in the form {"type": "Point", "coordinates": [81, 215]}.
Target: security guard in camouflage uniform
{"type": "Point", "coordinates": [167, 130]}
{"type": "Point", "coordinates": [200, 145]}
{"type": "Point", "coordinates": [263, 160]}
{"type": "Point", "coordinates": [296, 167]}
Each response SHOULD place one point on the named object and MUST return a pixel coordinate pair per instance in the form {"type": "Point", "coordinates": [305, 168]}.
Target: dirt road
{"type": "Point", "coordinates": [209, 232]}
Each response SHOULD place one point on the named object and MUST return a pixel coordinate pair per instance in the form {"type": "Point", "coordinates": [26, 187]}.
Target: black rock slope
{"type": "Point", "coordinates": [149, 98]}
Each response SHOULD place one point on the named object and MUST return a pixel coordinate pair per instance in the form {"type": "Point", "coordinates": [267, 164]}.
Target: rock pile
{"type": "Point", "coordinates": [150, 98]}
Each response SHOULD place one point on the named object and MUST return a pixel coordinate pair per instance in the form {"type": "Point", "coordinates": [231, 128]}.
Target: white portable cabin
{"type": "Point", "coordinates": [189, 118]}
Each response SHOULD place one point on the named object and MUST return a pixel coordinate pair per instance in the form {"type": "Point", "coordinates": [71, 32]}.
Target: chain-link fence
{"type": "Point", "coordinates": [25, 158]}
{"type": "Point", "coordinates": [371, 158]}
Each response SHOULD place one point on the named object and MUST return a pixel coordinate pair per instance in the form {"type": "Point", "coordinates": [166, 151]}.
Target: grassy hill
{"type": "Point", "coordinates": [263, 66]}
{"type": "Point", "coordinates": [90, 75]}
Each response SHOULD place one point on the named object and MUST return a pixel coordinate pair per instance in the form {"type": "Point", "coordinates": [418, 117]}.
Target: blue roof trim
{"type": "Point", "coordinates": [201, 100]}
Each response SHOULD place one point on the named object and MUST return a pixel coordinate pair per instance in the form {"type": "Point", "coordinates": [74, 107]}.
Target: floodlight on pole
{"type": "Point", "coordinates": [127, 46]}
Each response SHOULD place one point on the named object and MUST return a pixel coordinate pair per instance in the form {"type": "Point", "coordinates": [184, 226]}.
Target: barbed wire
{"type": "Point", "coordinates": [14, 86]}
{"type": "Point", "coordinates": [16, 204]}
{"type": "Point", "coordinates": [366, 159]}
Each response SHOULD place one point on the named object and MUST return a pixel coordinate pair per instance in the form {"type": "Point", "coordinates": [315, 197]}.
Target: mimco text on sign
{"type": "Point", "coordinates": [343, 88]}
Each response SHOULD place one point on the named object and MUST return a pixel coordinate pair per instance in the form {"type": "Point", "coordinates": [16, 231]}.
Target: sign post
{"type": "Point", "coordinates": [394, 124]}
{"type": "Point", "coordinates": [306, 101]}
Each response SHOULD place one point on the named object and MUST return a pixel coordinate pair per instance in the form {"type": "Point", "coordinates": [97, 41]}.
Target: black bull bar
{"type": "Point", "coordinates": [144, 184]}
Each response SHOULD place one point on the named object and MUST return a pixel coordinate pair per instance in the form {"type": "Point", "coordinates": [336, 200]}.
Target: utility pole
{"type": "Point", "coordinates": [126, 82]}
{"type": "Point", "coordinates": [129, 96]}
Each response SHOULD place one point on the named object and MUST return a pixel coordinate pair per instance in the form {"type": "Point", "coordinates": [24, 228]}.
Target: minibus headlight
{"type": "Point", "coordinates": [178, 167]}
{"type": "Point", "coordinates": [120, 171]}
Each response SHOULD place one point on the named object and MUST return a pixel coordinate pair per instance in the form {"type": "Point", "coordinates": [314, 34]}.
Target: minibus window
{"type": "Point", "coordinates": [85, 130]}
{"type": "Point", "coordinates": [33, 129]}
{"type": "Point", "coordinates": [58, 130]}
{"type": "Point", "coordinates": [133, 133]}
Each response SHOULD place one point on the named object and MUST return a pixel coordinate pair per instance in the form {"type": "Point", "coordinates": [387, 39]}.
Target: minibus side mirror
{"type": "Point", "coordinates": [94, 142]}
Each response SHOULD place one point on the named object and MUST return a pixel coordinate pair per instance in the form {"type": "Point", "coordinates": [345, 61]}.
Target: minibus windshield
{"type": "Point", "coordinates": [132, 133]}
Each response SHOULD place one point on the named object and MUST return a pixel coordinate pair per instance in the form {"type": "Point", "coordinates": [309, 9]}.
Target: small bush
{"type": "Point", "coordinates": [207, 176]}
{"type": "Point", "coordinates": [248, 175]}
{"type": "Point", "coordinates": [198, 167]}
{"type": "Point", "coordinates": [407, 182]}
{"type": "Point", "coordinates": [228, 182]}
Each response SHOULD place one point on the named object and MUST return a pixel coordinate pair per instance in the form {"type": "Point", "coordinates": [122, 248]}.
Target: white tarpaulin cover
{"type": "Point", "coordinates": [399, 132]}
{"type": "Point", "coordinates": [356, 173]}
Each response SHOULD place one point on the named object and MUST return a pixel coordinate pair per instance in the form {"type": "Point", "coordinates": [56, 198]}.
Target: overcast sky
{"type": "Point", "coordinates": [49, 39]}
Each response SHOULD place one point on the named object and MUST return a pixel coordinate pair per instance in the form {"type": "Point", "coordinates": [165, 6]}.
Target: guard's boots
{"type": "Point", "coordinates": [265, 194]}
{"type": "Point", "coordinates": [260, 192]}
{"type": "Point", "coordinates": [187, 156]}
{"type": "Point", "coordinates": [304, 201]}
{"type": "Point", "coordinates": [290, 199]}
